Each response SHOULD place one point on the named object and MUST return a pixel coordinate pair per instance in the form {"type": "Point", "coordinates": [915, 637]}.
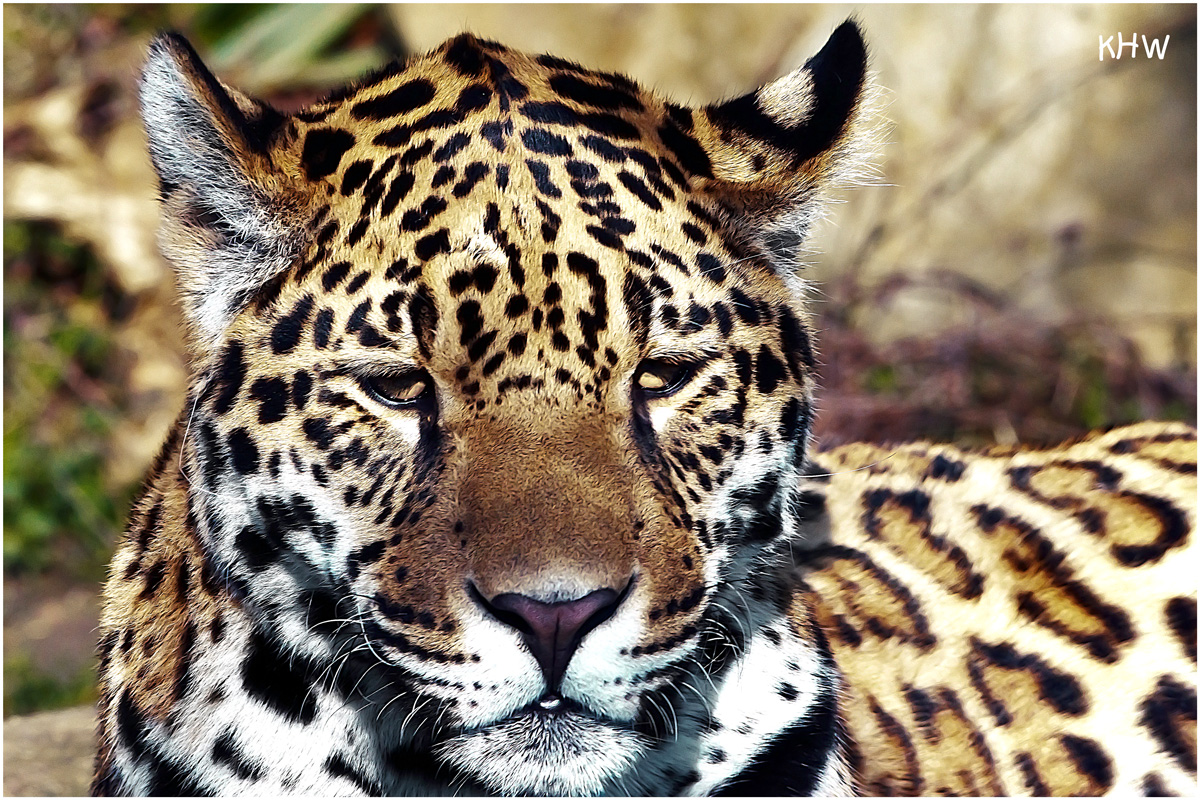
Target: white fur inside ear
{"type": "Point", "coordinates": [224, 235]}
{"type": "Point", "coordinates": [789, 100]}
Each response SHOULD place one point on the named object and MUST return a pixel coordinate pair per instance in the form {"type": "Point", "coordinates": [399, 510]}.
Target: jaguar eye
{"type": "Point", "coordinates": [399, 390]}
{"type": "Point", "coordinates": [657, 378]}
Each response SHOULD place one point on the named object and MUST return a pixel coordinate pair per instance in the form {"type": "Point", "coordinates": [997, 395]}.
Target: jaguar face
{"type": "Point", "coordinates": [508, 386]}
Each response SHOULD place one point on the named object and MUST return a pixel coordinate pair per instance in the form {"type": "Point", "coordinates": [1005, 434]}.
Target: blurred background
{"type": "Point", "coordinates": [1023, 270]}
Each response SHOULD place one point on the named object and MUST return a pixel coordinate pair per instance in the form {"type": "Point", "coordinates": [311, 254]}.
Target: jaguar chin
{"type": "Point", "coordinates": [564, 751]}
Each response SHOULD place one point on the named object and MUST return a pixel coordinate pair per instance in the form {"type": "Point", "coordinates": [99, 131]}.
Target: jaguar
{"type": "Point", "coordinates": [495, 476]}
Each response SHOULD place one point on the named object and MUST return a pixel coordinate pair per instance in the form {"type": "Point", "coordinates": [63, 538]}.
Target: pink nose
{"type": "Point", "coordinates": [553, 631]}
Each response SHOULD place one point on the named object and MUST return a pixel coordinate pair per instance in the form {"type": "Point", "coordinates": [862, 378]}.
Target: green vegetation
{"type": "Point", "coordinates": [27, 689]}
{"type": "Point", "coordinates": [59, 407]}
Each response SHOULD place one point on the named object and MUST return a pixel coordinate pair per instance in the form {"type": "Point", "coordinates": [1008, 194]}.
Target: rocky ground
{"type": "Point", "coordinates": [49, 754]}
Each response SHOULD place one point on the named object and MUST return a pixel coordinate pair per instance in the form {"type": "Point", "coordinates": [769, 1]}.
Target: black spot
{"type": "Point", "coordinates": [543, 141]}
{"type": "Point", "coordinates": [484, 276]}
{"type": "Point", "coordinates": [639, 189]}
{"type": "Point", "coordinates": [462, 54]}
{"type": "Point", "coordinates": [610, 125]}
{"type": "Point", "coordinates": [795, 421]}
{"type": "Point", "coordinates": [1152, 786]}
{"type": "Point", "coordinates": [947, 469]}
{"type": "Point", "coordinates": [744, 307]}
{"type": "Point", "coordinates": [541, 178]}
{"type": "Point", "coordinates": [605, 237]}
{"type": "Point", "coordinates": [472, 175]}
{"type": "Point", "coordinates": [335, 274]}
{"type": "Point", "coordinates": [230, 374]}
{"type": "Point", "coordinates": [354, 177]}
{"type": "Point", "coordinates": [401, 100]}
{"type": "Point", "coordinates": [1092, 761]}
{"type": "Point", "coordinates": [131, 724]}
{"type": "Point", "coordinates": [459, 282]}
{"type": "Point", "coordinates": [1169, 713]}
{"type": "Point", "coordinates": [516, 306]}
{"type": "Point", "coordinates": [451, 147]}
{"type": "Point", "coordinates": [1181, 618]}
{"type": "Point", "coordinates": [338, 767]}
{"type": "Point", "coordinates": [470, 320]}
{"type": "Point", "coordinates": [167, 779]}
{"type": "Point", "coordinates": [285, 335]}
{"type": "Point", "coordinates": [397, 191]}
{"type": "Point", "coordinates": [423, 318]}
{"type": "Point", "coordinates": [429, 246]}
{"type": "Point", "coordinates": [550, 113]}
{"type": "Point", "coordinates": [322, 327]}
{"type": "Point", "coordinates": [606, 97]}
{"type": "Point", "coordinates": [695, 233]}
{"type": "Point", "coordinates": [243, 450]}
{"type": "Point", "coordinates": [769, 372]}
{"type": "Point", "coordinates": [797, 345]}
{"type": "Point", "coordinates": [604, 148]}
{"type": "Point", "coordinates": [318, 432]}
{"type": "Point", "coordinates": [226, 751]}
{"type": "Point", "coordinates": [493, 364]}
{"type": "Point", "coordinates": [323, 151]}
{"type": "Point", "coordinates": [711, 267]}
{"type": "Point", "coordinates": [154, 578]}
{"type": "Point", "coordinates": [358, 231]}
{"type": "Point", "coordinates": [495, 133]}
{"type": "Point", "coordinates": [687, 151]}
{"type": "Point", "coordinates": [284, 684]}
{"type": "Point", "coordinates": [443, 176]}
{"type": "Point", "coordinates": [358, 316]}
{"type": "Point", "coordinates": [724, 320]}
{"type": "Point", "coordinates": [272, 395]}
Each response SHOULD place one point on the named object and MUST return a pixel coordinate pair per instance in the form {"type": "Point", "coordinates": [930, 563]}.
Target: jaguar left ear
{"type": "Point", "coordinates": [229, 214]}
{"type": "Point", "coordinates": [770, 150]}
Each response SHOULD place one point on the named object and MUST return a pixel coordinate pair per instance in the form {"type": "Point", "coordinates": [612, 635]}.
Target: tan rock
{"type": "Point", "coordinates": [50, 754]}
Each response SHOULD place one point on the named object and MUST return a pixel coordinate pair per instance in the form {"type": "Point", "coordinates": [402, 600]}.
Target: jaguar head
{"type": "Point", "coordinates": [502, 388]}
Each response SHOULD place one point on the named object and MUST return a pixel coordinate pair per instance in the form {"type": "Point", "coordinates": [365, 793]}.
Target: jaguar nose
{"type": "Point", "coordinates": [552, 631]}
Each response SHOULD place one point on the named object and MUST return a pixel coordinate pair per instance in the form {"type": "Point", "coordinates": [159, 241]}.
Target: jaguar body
{"type": "Point", "coordinates": [494, 475]}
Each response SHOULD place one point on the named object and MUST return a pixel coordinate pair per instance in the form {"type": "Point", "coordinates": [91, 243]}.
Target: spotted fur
{"type": "Point", "coordinates": [493, 473]}
{"type": "Point", "coordinates": [1013, 621]}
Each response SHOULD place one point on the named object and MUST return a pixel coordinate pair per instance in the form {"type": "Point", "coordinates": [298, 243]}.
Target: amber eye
{"type": "Point", "coordinates": [399, 390]}
{"type": "Point", "coordinates": [657, 378]}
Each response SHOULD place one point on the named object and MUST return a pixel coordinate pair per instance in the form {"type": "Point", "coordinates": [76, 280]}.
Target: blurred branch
{"type": "Point", "coordinates": [973, 155]}
{"type": "Point", "coordinates": [286, 46]}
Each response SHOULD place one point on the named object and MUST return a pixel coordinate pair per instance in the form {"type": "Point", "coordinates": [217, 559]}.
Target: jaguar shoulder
{"type": "Point", "coordinates": [494, 475]}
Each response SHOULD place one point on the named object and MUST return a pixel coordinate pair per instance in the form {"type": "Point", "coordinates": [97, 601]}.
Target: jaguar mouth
{"type": "Point", "coordinates": [551, 704]}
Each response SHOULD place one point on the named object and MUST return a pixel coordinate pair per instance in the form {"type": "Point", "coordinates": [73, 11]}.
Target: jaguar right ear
{"type": "Point", "coordinates": [770, 152]}
{"type": "Point", "coordinates": [229, 217]}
